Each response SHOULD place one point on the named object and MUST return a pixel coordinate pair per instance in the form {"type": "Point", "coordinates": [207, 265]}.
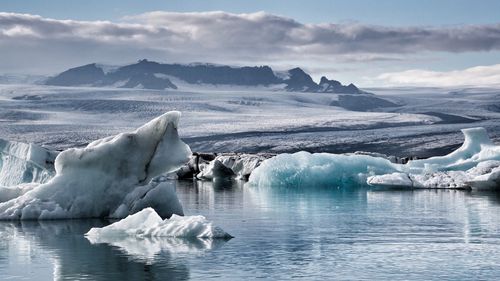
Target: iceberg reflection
{"type": "Point", "coordinates": [147, 249]}
{"type": "Point", "coordinates": [73, 257]}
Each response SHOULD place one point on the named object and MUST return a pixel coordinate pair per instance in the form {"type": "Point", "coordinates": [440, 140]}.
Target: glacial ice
{"type": "Point", "coordinates": [25, 163]}
{"type": "Point", "coordinates": [111, 177]}
{"type": "Point", "coordinates": [147, 223]}
{"type": "Point", "coordinates": [318, 169]}
{"type": "Point", "coordinates": [476, 164]}
{"type": "Point", "coordinates": [242, 165]}
{"type": "Point", "coordinates": [215, 169]}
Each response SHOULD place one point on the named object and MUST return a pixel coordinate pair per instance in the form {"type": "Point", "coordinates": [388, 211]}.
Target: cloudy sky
{"type": "Point", "coordinates": [368, 42]}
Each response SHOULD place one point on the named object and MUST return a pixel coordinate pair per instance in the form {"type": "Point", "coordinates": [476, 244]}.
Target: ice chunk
{"type": "Point", "coordinates": [319, 169]}
{"type": "Point", "coordinates": [243, 164]}
{"type": "Point", "coordinates": [475, 164]}
{"type": "Point", "coordinates": [477, 147]}
{"type": "Point", "coordinates": [215, 170]}
{"type": "Point", "coordinates": [25, 163]}
{"type": "Point", "coordinates": [147, 223]}
{"type": "Point", "coordinates": [437, 180]}
{"type": "Point", "coordinates": [232, 165]}
{"type": "Point", "coordinates": [488, 180]}
{"type": "Point", "coordinates": [107, 177]}
{"type": "Point", "coordinates": [393, 179]}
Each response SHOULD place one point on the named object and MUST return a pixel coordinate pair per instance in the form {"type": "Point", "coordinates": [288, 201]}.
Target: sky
{"type": "Point", "coordinates": [367, 42]}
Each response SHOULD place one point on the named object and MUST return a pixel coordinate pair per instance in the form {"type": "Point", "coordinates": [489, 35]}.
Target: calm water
{"type": "Point", "coordinates": [311, 234]}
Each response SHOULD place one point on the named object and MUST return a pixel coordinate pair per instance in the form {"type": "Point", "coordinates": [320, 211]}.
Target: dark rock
{"type": "Point", "coordinates": [334, 86]}
{"type": "Point", "coordinates": [299, 81]}
{"type": "Point", "coordinates": [362, 102]}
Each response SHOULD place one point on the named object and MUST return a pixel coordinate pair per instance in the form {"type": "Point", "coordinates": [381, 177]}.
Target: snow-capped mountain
{"type": "Point", "coordinates": [153, 75]}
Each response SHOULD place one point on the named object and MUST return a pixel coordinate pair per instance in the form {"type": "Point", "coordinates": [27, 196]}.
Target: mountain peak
{"type": "Point", "coordinates": [334, 86]}
{"type": "Point", "coordinates": [299, 81]}
{"type": "Point", "coordinates": [83, 75]}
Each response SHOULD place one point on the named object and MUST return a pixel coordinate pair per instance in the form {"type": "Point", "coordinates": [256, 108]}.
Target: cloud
{"type": "Point", "coordinates": [223, 38]}
{"type": "Point", "coordinates": [479, 75]}
{"type": "Point", "coordinates": [264, 30]}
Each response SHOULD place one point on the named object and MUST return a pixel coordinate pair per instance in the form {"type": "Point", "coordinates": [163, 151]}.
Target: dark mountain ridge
{"type": "Point", "coordinates": [153, 75]}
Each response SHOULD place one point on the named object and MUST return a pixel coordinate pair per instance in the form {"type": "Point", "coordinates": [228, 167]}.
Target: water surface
{"type": "Point", "coordinates": [309, 233]}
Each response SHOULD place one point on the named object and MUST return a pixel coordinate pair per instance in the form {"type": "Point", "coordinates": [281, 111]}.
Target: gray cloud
{"type": "Point", "coordinates": [224, 38]}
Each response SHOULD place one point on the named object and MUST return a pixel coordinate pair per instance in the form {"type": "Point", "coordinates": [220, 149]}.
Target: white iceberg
{"type": "Point", "coordinates": [476, 164]}
{"type": "Point", "coordinates": [25, 163]}
{"type": "Point", "coordinates": [111, 177]}
{"type": "Point", "coordinates": [147, 223]}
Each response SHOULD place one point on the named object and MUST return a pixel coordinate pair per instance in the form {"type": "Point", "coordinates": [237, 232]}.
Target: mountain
{"type": "Point", "coordinates": [153, 75]}
{"type": "Point", "coordinates": [299, 81]}
{"type": "Point", "coordinates": [89, 74]}
{"type": "Point", "coordinates": [333, 86]}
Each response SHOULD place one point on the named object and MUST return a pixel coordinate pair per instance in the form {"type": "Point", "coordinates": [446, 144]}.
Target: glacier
{"type": "Point", "coordinates": [147, 223]}
{"type": "Point", "coordinates": [110, 177]}
{"type": "Point", "coordinates": [476, 164]}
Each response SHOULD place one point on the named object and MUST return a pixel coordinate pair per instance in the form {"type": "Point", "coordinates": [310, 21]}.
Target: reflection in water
{"type": "Point", "coordinates": [147, 249]}
{"type": "Point", "coordinates": [74, 257]}
{"type": "Point", "coordinates": [306, 233]}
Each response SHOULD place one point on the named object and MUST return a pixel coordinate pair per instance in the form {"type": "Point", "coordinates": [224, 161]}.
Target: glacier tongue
{"type": "Point", "coordinates": [476, 164]}
{"type": "Point", "coordinates": [109, 177]}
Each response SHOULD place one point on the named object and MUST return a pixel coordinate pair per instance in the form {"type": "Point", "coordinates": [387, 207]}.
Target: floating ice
{"type": "Point", "coordinates": [475, 164]}
{"type": "Point", "coordinates": [228, 166]}
{"type": "Point", "coordinates": [25, 163]}
{"type": "Point", "coordinates": [147, 223]}
{"type": "Point", "coordinates": [109, 177]}
{"type": "Point", "coordinates": [215, 169]}
{"type": "Point", "coordinates": [477, 147]}
{"type": "Point", "coordinates": [318, 169]}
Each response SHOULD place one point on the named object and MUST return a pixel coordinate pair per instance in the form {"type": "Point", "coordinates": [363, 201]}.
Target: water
{"type": "Point", "coordinates": [311, 234]}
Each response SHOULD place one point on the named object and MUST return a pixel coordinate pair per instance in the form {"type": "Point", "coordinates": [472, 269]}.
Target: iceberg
{"type": "Point", "coordinates": [25, 163]}
{"type": "Point", "coordinates": [231, 165]}
{"type": "Point", "coordinates": [476, 164]}
{"type": "Point", "coordinates": [215, 170]}
{"type": "Point", "coordinates": [110, 177]}
{"type": "Point", "coordinates": [147, 223]}
{"type": "Point", "coordinates": [242, 165]}
{"type": "Point", "coordinates": [319, 169]}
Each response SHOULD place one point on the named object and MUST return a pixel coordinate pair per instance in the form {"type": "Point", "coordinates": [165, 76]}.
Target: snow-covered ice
{"type": "Point", "coordinates": [214, 119]}
{"type": "Point", "coordinates": [147, 223]}
{"type": "Point", "coordinates": [111, 177]}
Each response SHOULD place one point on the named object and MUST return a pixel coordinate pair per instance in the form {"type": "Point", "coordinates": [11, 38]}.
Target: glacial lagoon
{"type": "Point", "coordinates": [308, 233]}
